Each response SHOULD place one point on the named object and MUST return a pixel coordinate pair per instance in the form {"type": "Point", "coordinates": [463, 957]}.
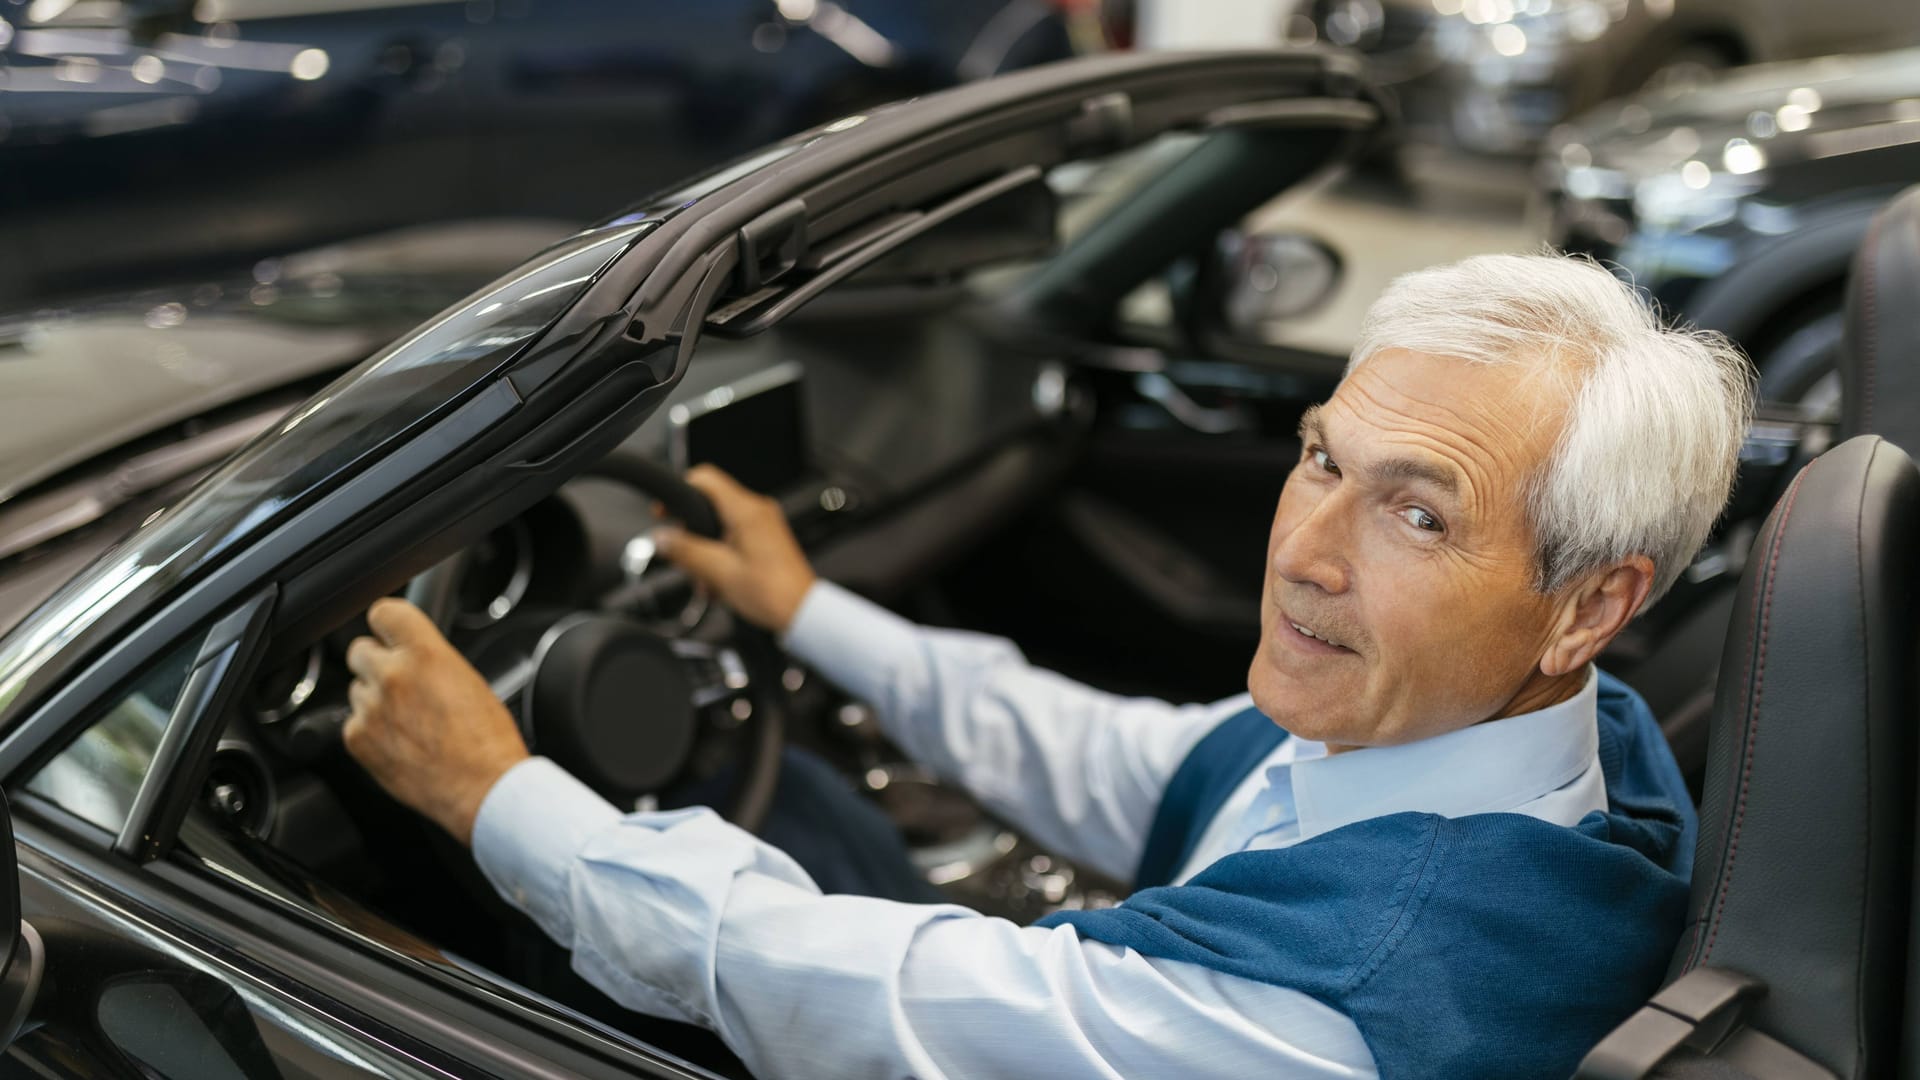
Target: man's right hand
{"type": "Point", "coordinates": [756, 567]}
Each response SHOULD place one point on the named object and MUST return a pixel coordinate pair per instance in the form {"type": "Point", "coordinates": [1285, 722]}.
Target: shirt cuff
{"type": "Point", "coordinates": [532, 824]}
{"type": "Point", "coordinates": [854, 642]}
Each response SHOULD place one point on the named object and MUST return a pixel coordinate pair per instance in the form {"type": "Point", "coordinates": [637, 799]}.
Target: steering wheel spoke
{"type": "Point", "coordinates": [718, 672]}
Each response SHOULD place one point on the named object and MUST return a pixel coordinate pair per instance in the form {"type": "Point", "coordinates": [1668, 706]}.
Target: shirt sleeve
{"type": "Point", "coordinates": [1080, 770]}
{"type": "Point", "coordinates": [680, 914]}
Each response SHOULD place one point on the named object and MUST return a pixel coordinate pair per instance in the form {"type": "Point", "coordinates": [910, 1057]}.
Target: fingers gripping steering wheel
{"type": "Point", "coordinates": [619, 705]}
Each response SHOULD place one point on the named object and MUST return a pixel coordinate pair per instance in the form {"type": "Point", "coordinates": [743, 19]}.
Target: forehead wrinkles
{"type": "Point", "coordinates": [1484, 436]}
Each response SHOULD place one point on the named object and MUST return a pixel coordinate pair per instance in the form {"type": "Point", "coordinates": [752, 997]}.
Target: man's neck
{"type": "Point", "coordinates": [1540, 691]}
{"type": "Point", "coordinates": [1543, 691]}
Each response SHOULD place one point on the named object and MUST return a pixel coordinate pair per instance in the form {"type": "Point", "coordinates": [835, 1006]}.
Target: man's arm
{"type": "Point", "coordinates": [682, 915]}
{"type": "Point", "coordinates": [1079, 769]}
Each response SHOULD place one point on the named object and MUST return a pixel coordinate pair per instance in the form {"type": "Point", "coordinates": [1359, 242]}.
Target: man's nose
{"type": "Point", "coordinates": [1314, 549]}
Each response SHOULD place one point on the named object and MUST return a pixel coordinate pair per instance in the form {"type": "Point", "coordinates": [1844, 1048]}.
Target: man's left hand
{"type": "Point", "coordinates": [425, 724]}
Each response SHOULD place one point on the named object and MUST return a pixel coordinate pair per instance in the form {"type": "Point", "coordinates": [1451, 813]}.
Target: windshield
{"type": "Point", "coordinates": [376, 404]}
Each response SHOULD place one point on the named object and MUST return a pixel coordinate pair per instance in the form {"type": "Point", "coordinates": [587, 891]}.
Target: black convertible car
{"type": "Point", "coordinates": [902, 324]}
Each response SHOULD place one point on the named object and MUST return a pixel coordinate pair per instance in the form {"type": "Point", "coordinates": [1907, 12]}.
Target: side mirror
{"type": "Point", "coordinates": [1252, 279]}
{"type": "Point", "coordinates": [22, 954]}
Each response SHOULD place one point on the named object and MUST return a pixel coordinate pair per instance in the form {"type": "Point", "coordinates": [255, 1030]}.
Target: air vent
{"type": "Point", "coordinates": [240, 789]}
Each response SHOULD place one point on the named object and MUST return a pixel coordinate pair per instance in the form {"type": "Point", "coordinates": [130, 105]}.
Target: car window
{"type": "Point", "coordinates": [97, 776]}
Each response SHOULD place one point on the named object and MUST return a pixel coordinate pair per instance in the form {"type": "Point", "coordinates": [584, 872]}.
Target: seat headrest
{"type": "Point", "coordinates": [1880, 356]}
{"type": "Point", "coordinates": [1806, 829]}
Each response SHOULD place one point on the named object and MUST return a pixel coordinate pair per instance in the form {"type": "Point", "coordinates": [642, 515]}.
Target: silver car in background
{"type": "Point", "coordinates": [1495, 76]}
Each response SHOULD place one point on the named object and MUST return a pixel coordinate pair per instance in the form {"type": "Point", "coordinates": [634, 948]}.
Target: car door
{"type": "Point", "coordinates": [126, 990]}
{"type": "Point", "coordinates": [473, 417]}
{"type": "Point", "coordinates": [150, 969]}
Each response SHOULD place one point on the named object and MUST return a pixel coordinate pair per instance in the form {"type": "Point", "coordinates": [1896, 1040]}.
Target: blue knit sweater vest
{"type": "Point", "coordinates": [1494, 945]}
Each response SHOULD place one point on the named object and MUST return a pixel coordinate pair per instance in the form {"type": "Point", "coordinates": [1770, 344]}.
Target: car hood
{"type": "Point", "coordinates": [1788, 112]}
{"type": "Point", "coordinates": [86, 379]}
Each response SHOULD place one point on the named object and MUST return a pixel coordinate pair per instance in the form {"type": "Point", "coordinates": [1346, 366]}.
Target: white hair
{"type": "Point", "coordinates": [1646, 460]}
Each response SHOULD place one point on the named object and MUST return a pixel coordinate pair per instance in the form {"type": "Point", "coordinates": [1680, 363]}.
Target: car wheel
{"type": "Point", "coordinates": [1802, 367]}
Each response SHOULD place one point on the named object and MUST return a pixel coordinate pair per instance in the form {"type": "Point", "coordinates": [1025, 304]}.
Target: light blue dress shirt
{"type": "Point", "coordinates": [680, 914]}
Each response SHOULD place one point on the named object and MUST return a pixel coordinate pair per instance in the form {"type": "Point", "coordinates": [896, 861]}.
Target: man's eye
{"type": "Point", "coordinates": [1319, 458]}
{"type": "Point", "coordinates": [1422, 520]}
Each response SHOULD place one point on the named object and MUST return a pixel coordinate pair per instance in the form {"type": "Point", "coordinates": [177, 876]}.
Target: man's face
{"type": "Point", "coordinates": [1401, 543]}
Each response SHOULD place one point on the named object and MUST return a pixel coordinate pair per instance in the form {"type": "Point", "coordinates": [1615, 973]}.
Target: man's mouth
{"type": "Point", "coordinates": [1309, 639]}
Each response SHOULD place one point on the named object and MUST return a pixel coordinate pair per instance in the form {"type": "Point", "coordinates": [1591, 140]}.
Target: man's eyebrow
{"type": "Point", "coordinates": [1390, 470]}
{"type": "Point", "coordinates": [1401, 470]}
{"type": "Point", "coordinates": [1310, 428]}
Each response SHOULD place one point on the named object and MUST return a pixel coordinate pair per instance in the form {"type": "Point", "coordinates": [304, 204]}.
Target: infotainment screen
{"type": "Point", "coordinates": [755, 429]}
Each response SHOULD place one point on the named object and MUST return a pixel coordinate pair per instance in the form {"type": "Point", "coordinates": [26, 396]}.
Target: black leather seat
{"type": "Point", "coordinates": [1880, 358]}
{"type": "Point", "coordinates": [1880, 392]}
{"type": "Point", "coordinates": [1794, 959]}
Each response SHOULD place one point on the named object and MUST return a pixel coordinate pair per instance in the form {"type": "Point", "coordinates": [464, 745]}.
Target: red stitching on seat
{"type": "Point", "coordinates": [1758, 683]}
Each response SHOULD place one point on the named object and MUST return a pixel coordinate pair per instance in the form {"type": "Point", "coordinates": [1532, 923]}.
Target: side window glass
{"type": "Point", "coordinates": [97, 776]}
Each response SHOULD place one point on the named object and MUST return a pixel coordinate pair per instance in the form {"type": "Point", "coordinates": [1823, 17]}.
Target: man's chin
{"type": "Point", "coordinates": [1300, 702]}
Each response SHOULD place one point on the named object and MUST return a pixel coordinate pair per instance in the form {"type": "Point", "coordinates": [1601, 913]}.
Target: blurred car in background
{"type": "Point", "coordinates": [1495, 76]}
{"type": "Point", "coordinates": [118, 403]}
{"type": "Point", "coordinates": [1737, 204]}
{"type": "Point", "coordinates": [145, 136]}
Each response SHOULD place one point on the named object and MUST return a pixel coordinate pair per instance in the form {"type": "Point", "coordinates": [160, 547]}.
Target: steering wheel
{"type": "Point", "coordinates": [619, 705]}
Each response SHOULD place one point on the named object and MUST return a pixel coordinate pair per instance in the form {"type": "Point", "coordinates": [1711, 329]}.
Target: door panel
{"type": "Point", "coordinates": [124, 999]}
{"type": "Point", "coordinates": [1143, 574]}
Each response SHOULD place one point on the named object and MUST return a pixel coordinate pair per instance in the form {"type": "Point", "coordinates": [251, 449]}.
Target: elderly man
{"type": "Point", "coordinates": [1432, 841]}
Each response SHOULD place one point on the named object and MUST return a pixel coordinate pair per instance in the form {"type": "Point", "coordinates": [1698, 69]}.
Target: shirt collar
{"type": "Point", "coordinates": [1490, 767]}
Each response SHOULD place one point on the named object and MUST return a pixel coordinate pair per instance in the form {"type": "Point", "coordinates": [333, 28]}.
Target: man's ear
{"type": "Point", "coordinates": [1596, 609]}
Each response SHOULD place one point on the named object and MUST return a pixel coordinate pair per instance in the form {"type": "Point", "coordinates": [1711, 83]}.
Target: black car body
{"type": "Point", "coordinates": [139, 139]}
{"type": "Point", "coordinates": [1738, 204]}
{"type": "Point", "coordinates": [212, 883]}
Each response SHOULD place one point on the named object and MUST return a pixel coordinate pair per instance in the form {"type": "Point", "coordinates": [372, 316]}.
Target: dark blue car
{"type": "Point", "coordinates": [156, 136]}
